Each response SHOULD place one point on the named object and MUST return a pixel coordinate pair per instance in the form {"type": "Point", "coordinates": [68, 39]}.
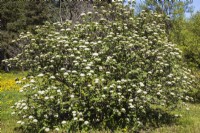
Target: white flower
{"type": "Point", "coordinates": [46, 98]}
{"type": "Point", "coordinates": [132, 106]}
{"type": "Point", "coordinates": [41, 92]}
{"type": "Point", "coordinates": [86, 49]}
{"type": "Point", "coordinates": [45, 116]}
{"type": "Point", "coordinates": [92, 71]}
{"type": "Point", "coordinates": [72, 96]}
{"type": "Point", "coordinates": [82, 46]}
{"type": "Point", "coordinates": [47, 129]}
{"type": "Point", "coordinates": [12, 113]}
{"type": "Point", "coordinates": [158, 93]}
{"type": "Point", "coordinates": [25, 108]}
{"type": "Point", "coordinates": [41, 75]}
{"type": "Point", "coordinates": [89, 74]}
{"type": "Point", "coordinates": [119, 87]}
{"type": "Point", "coordinates": [89, 85]}
{"type": "Point", "coordinates": [86, 122]}
{"type": "Point", "coordinates": [170, 75]}
{"type": "Point", "coordinates": [80, 119]}
{"type": "Point", "coordinates": [123, 80]}
{"type": "Point", "coordinates": [149, 72]}
{"type": "Point", "coordinates": [32, 81]}
{"type": "Point", "coordinates": [123, 110]}
{"type": "Point", "coordinates": [119, 94]}
{"type": "Point", "coordinates": [30, 117]}
{"type": "Point", "coordinates": [56, 115]}
{"type": "Point", "coordinates": [130, 100]}
{"type": "Point", "coordinates": [139, 91]}
{"type": "Point", "coordinates": [172, 93]}
{"type": "Point", "coordinates": [83, 14]}
{"type": "Point", "coordinates": [159, 85]}
{"type": "Point", "coordinates": [52, 77]}
{"type": "Point", "coordinates": [87, 67]}
{"type": "Point", "coordinates": [100, 68]}
{"type": "Point", "coordinates": [96, 80]}
{"type": "Point", "coordinates": [145, 92]}
{"type": "Point", "coordinates": [74, 71]}
{"type": "Point", "coordinates": [57, 129]}
{"type": "Point", "coordinates": [66, 73]}
{"type": "Point", "coordinates": [19, 122]}
{"type": "Point", "coordinates": [35, 120]}
{"type": "Point", "coordinates": [103, 96]}
{"type": "Point", "coordinates": [141, 84]}
{"type": "Point", "coordinates": [75, 118]}
{"type": "Point", "coordinates": [18, 82]}
{"type": "Point", "coordinates": [89, 13]}
{"type": "Point", "coordinates": [95, 54]}
{"type": "Point", "coordinates": [169, 83]}
{"type": "Point", "coordinates": [86, 43]}
{"type": "Point", "coordinates": [176, 115]}
{"type": "Point", "coordinates": [82, 75]}
{"type": "Point", "coordinates": [63, 122]}
{"type": "Point", "coordinates": [107, 72]}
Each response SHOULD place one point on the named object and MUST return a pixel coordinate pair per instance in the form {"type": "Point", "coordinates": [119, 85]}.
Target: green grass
{"type": "Point", "coordinates": [188, 123]}
{"type": "Point", "coordinates": [11, 75]}
{"type": "Point", "coordinates": [7, 99]}
{"type": "Point", "coordinates": [8, 121]}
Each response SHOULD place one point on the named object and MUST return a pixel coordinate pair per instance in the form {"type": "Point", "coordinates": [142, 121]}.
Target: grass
{"type": "Point", "coordinates": [9, 94]}
{"type": "Point", "coordinates": [8, 122]}
{"type": "Point", "coordinates": [188, 123]}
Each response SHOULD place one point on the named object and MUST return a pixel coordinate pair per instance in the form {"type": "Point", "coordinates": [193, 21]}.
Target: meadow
{"type": "Point", "coordinates": [9, 94]}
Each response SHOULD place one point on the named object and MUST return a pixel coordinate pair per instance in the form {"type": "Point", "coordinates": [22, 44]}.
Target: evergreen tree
{"type": "Point", "coordinates": [18, 16]}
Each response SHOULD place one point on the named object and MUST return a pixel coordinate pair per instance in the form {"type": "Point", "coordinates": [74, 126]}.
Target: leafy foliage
{"type": "Point", "coordinates": [172, 8]}
{"type": "Point", "coordinates": [112, 70]}
{"type": "Point", "coordinates": [192, 41]}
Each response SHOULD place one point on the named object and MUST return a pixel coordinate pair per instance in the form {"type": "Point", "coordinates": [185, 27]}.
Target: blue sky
{"type": "Point", "coordinates": [195, 4]}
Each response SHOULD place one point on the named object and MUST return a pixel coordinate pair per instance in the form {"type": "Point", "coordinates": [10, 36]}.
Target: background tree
{"type": "Point", "coordinates": [190, 41]}
{"type": "Point", "coordinates": [168, 7]}
{"type": "Point", "coordinates": [175, 9]}
{"type": "Point", "coordinates": [18, 16]}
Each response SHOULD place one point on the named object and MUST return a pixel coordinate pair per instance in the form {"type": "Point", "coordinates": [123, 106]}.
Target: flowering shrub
{"type": "Point", "coordinates": [111, 70]}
